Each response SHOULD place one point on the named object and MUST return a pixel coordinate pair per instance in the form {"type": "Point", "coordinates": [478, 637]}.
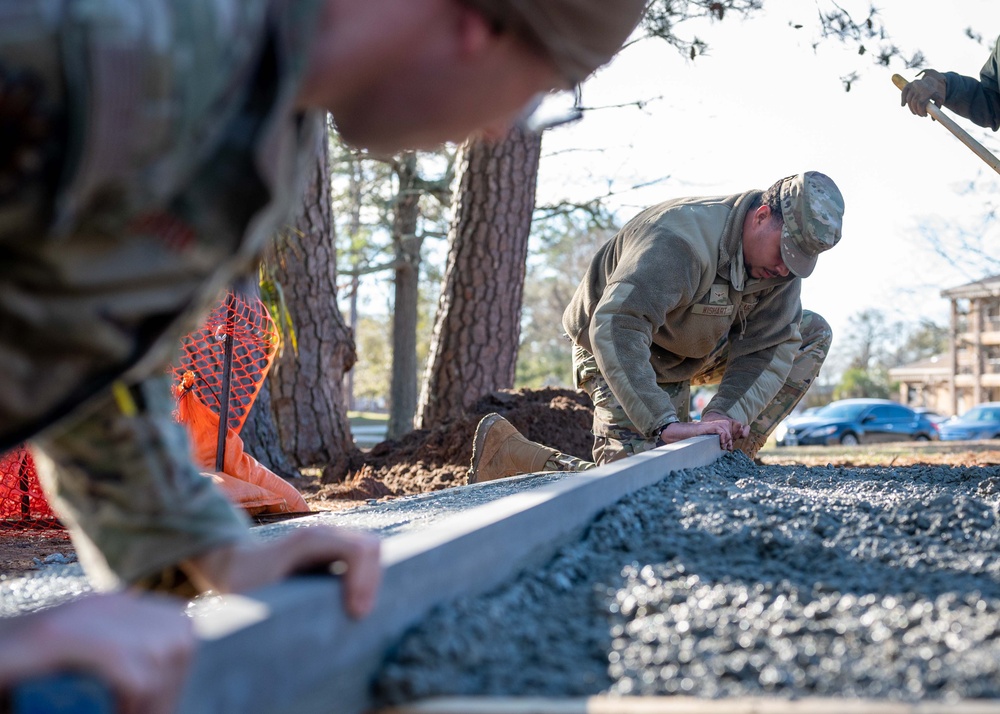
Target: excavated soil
{"type": "Point", "coordinates": [433, 459]}
{"type": "Point", "coordinates": [24, 549]}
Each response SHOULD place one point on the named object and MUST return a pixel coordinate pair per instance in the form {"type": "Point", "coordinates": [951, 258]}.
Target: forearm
{"type": "Point", "coordinates": [761, 357]}
{"type": "Point", "coordinates": [139, 646]}
{"type": "Point", "coordinates": [26, 648]}
{"type": "Point", "coordinates": [973, 99]}
{"type": "Point", "coordinates": [127, 489]}
{"type": "Point", "coordinates": [621, 349]}
{"type": "Point", "coordinates": [647, 406]}
{"type": "Point", "coordinates": [751, 382]}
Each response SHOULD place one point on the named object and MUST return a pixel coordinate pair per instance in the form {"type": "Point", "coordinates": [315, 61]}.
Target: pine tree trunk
{"type": "Point", "coordinates": [477, 329]}
{"type": "Point", "coordinates": [307, 393]}
{"type": "Point", "coordinates": [260, 436]}
{"type": "Point", "coordinates": [259, 432]}
{"type": "Point", "coordinates": [403, 382]}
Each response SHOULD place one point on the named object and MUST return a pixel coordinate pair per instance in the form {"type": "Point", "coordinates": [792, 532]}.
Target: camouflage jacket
{"type": "Point", "coordinates": [978, 100]}
{"type": "Point", "coordinates": [661, 296]}
{"type": "Point", "coordinates": [147, 150]}
{"type": "Point", "coordinates": [155, 147]}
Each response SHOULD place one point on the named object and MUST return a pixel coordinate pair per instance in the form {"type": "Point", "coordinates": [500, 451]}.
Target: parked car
{"type": "Point", "coordinates": [934, 416]}
{"type": "Point", "coordinates": [807, 412]}
{"type": "Point", "coordinates": [980, 422]}
{"type": "Point", "coordinates": [781, 432]}
{"type": "Point", "coordinates": [857, 421]}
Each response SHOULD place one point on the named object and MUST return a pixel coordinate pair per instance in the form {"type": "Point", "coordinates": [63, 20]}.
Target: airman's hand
{"type": "Point", "coordinates": [737, 429]}
{"type": "Point", "coordinates": [140, 646]}
{"type": "Point", "coordinates": [680, 430]}
{"type": "Point", "coordinates": [930, 87]}
{"type": "Point", "coordinates": [239, 567]}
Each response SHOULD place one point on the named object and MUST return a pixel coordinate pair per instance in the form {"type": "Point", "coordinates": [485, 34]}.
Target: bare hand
{"type": "Point", "coordinates": [140, 646]}
{"type": "Point", "coordinates": [737, 429]}
{"type": "Point", "coordinates": [930, 87]}
{"type": "Point", "coordinates": [245, 566]}
{"type": "Point", "coordinates": [680, 430]}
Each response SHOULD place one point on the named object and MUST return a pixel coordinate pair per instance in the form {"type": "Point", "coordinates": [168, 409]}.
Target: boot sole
{"type": "Point", "coordinates": [478, 444]}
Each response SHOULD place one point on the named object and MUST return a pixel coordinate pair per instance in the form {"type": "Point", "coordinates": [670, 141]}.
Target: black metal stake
{"type": "Point", "coordinates": [227, 368]}
{"type": "Point", "coordinates": [22, 482]}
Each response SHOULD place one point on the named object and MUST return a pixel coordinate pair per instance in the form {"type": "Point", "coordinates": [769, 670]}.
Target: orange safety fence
{"type": "Point", "coordinates": [242, 478]}
{"type": "Point", "coordinates": [199, 373]}
{"type": "Point", "coordinates": [23, 506]}
{"type": "Point", "coordinates": [254, 342]}
{"type": "Point", "coordinates": [246, 328]}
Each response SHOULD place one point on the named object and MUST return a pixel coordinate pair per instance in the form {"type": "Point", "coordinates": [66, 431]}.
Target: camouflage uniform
{"type": "Point", "coordinates": [615, 437]}
{"type": "Point", "coordinates": [670, 303]}
{"type": "Point", "coordinates": [154, 148]}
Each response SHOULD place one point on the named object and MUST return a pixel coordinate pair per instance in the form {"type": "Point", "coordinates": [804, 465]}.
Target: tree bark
{"type": "Point", "coordinates": [260, 436]}
{"type": "Point", "coordinates": [259, 432]}
{"type": "Point", "coordinates": [307, 393]}
{"type": "Point", "coordinates": [477, 329]}
{"type": "Point", "coordinates": [403, 381]}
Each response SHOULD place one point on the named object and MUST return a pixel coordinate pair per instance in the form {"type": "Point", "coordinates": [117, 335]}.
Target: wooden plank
{"type": "Point", "coordinates": [686, 705]}
{"type": "Point", "coordinates": [290, 648]}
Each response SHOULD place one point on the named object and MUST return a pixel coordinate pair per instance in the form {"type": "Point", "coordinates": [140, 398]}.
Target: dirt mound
{"type": "Point", "coordinates": [437, 458]}
{"type": "Point", "coordinates": [360, 486]}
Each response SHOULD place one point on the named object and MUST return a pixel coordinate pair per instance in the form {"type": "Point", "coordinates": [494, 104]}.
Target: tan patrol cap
{"type": "Point", "coordinates": [813, 211]}
{"type": "Point", "coordinates": [578, 35]}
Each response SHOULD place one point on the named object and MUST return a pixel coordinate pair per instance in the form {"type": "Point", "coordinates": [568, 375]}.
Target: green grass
{"type": "Point", "coordinates": [934, 452]}
{"type": "Point", "coordinates": [367, 418]}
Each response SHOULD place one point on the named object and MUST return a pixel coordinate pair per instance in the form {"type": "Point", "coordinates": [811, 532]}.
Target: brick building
{"type": "Point", "coordinates": [970, 372]}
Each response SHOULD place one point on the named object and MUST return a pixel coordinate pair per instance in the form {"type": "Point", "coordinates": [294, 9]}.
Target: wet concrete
{"type": "Point", "coordinates": [51, 585]}
{"type": "Point", "coordinates": [736, 579]}
{"type": "Point", "coordinates": [410, 514]}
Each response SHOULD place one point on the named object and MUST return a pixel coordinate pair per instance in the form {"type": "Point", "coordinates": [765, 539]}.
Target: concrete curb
{"type": "Point", "coordinates": [290, 647]}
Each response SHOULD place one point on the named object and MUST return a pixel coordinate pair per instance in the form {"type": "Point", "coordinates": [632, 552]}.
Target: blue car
{"type": "Point", "coordinates": [980, 422]}
{"type": "Point", "coordinates": [857, 421]}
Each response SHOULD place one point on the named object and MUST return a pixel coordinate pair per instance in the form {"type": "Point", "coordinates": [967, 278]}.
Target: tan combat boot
{"type": "Point", "coordinates": [750, 445]}
{"type": "Point", "coordinates": [499, 451]}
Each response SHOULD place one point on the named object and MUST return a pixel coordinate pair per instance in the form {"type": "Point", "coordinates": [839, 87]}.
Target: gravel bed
{"type": "Point", "coordinates": [738, 579]}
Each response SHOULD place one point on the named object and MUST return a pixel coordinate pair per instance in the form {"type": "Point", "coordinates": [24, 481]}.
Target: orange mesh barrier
{"type": "Point", "coordinates": [254, 344]}
{"type": "Point", "coordinates": [23, 506]}
{"type": "Point", "coordinates": [201, 397]}
{"type": "Point", "coordinates": [246, 482]}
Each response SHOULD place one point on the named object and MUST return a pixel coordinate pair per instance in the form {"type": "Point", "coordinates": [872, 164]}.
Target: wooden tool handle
{"type": "Point", "coordinates": [961, 134]}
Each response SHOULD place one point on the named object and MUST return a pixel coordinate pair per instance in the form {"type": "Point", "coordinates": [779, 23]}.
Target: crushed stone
{"type": "Point", "coordinates": [740, 579]}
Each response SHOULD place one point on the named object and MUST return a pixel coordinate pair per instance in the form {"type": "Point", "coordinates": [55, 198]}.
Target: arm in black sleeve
{"type": "Point", "coordinates": [977, 100]}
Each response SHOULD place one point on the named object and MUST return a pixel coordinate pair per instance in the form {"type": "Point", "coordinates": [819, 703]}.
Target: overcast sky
{"type": "Point", "coordinates": [763, 104]}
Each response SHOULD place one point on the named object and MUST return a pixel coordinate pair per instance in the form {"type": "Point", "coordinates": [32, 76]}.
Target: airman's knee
{"type": "Point", "coordinates": [816, 331]}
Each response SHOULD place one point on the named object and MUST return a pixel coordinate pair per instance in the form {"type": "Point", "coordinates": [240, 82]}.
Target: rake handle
{"type": "Point", "coordinates": [961, 134]}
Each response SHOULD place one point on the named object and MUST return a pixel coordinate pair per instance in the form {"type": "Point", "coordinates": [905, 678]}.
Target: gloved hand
{"type": "Point", "coordinates": [931, 86]}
